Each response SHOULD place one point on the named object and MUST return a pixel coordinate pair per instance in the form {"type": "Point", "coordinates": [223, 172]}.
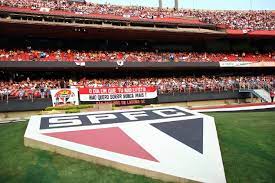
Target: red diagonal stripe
{"type": "Point", "coordinates": [110, 139]}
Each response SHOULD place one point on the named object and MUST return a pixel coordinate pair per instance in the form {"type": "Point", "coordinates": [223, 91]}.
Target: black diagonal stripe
{"type": "Point", "coordinates": [188, 132]}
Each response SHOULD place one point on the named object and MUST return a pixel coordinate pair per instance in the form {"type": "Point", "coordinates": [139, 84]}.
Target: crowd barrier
{"type": "Point", "coordinates": [41, 104]}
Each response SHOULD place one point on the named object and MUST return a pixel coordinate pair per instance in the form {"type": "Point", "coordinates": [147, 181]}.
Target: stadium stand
{"type": "Point", "coordinates": [225, 41]}
{"type": "Point", "coordinates": [246, 21]}
{"type": "Point", "coordinates": [129, 56]}
{"type": "Point", "coordinates": [27, 89]}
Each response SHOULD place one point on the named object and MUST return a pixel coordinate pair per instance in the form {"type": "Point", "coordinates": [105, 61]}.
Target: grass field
{"type": "Point", "coordinates": [247, 141]}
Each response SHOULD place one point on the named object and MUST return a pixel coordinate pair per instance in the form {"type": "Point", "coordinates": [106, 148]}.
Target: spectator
{"type": "Point", "coordinates": [6, 92]}
{"type": "Point", "coordinates": [63, 83]}
{"type": "Point", "coordinates": [42, 91]}
{"type": "Point", "coordinates": [1, 94]}
{"type": "Point", "coordinates": [272, 95]}
{"type": "Point", "coordinates": [21, 93]}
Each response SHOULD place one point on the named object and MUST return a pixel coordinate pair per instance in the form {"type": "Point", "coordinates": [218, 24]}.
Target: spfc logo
{"type": "Point", "coordinates": [64, 96]}
{"type": "Point", "coordinates": [170, 143]}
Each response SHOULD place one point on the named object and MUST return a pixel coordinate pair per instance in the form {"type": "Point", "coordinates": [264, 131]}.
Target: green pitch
{"type": "Point", "coordinates": [247, 142]}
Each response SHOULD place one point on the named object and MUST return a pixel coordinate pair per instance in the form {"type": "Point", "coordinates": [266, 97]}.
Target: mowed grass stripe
{"type": "Point", "coordinates": [19, 164]}
{"type": "Point", "coordinates": [247, 142]}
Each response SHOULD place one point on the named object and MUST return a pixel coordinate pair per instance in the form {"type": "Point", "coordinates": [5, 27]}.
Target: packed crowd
{"type": "Point", "coordinates": [29, 89]}
{"type": "Point", "coordinates": [128, 56]}
{"type": "Point", "coordinates": [243, 20]}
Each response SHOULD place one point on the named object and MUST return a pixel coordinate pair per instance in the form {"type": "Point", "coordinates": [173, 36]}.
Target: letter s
{"type": "Point", "coordinates": [64, 121]}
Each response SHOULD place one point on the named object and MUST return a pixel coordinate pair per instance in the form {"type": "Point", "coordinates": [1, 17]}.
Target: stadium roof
{"type": "Point", "coordinates": [197, 4]}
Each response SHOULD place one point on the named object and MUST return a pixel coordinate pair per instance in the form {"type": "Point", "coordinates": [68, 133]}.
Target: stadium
{"type": "Point", "coordinates": [93, 92]}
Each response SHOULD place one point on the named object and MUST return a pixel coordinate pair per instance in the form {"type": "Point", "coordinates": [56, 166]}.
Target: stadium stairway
{"type": "Point", "coordinates": [260, 93]}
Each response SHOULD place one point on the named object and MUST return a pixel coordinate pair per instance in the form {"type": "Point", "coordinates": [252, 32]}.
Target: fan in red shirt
{"type": "Point", "coordinates": [272, 95]}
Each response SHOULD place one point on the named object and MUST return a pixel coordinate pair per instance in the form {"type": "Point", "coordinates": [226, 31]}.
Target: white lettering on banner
{"type": "Point", "coordinates": [133, 115]}
{"type": "Point", "coordinates": [103, 90]}
{"type": "Point", "coordinates": [117, 93]}
{"type": "Point", "coordinates": [120, 90]}
{"type": "Point", "coordinates": [128, 90]}
{"type": "Point", "coordinates": [161, 113]}
{"type": "Point", "coordinates": [111, 90]}
{"type": "Point", "coordinates": [94, 91]}
{"type": "Point", "coordinates": [64, 121]}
